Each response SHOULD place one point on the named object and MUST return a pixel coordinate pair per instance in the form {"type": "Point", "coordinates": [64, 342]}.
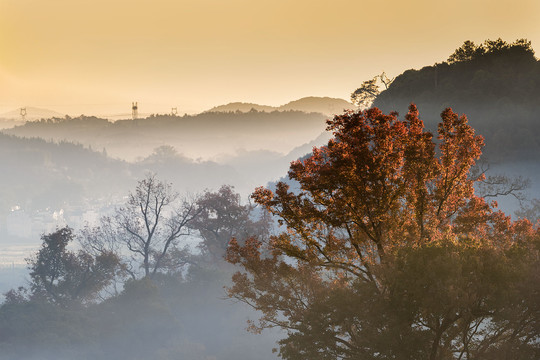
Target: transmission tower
{"type": "Point", "coordinates": [134, 110]}
{"type": "Point", "coordinates": [174, 111]}
{"type": "Point", "coordinates": [23, 114]}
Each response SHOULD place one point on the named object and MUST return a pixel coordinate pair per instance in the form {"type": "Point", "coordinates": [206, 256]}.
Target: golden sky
{"type": "Point", "coordinates": [96, 56]}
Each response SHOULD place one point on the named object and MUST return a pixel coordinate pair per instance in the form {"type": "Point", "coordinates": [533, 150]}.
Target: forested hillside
{"type": "Point", "coordinates": [199, 136]}
{"type": "Point", "coordinates": [496, 84]}
{"type": "Point", "coordinates": [41, 174]}
{"type": "Point", "coordinates": [46, 184]}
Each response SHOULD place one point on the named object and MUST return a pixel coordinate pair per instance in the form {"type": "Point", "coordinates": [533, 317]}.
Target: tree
{"type": "Point", "coordinates": [388, 253]}
{"type": "Point", "coordinates": [366, 94]}
{"type": "Point", "coordinates": [222, 216]}
{"type": "Point", "coordinates": [531, 211]}
{"type": "Point", "coordinates": [64, 277]}
{"type": "Point", "coordinates": [468, 51]}
{"type": "Point", "coordinates": [163, 154]}
{"type": "Point", "coordinates": [150, 227]}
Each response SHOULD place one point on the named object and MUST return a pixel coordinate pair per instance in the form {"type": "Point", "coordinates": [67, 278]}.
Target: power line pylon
{"type": "Point", "coordinates": [23, 113]}
{"type": "Point", "coordinates": [134, 110]}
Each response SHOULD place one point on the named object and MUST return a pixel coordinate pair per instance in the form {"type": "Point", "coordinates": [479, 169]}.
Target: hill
{"type": "Point", "coordinates": [323, 105]}
{"type": "Point", "coordinates": [205, 135]}
{"type": "Point", "coordinates": [32, 114]}
{"type": "Point", "coordinates": [45, 182]}
{"type": "Point", "coordinates": [497, 85]}
{"type": "Point", "coordinates": [8, 124]}
{"type": "Point", "coordinates": [241, 107]}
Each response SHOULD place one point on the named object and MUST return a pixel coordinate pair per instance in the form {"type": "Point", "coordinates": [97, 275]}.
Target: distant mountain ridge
{"type": "Point", "coordinates": [32, 113]}
{"type": "Point", "coordinates": [205, 135]}
{"type": "Point", "coordinates": [312, 104]}
{"type": "Point", "coordinates": [242, 107]}
{"type": "Point", "coordinates": [324, 105]}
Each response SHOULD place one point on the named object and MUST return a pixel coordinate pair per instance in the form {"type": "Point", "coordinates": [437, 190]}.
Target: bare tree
{"type": "Point", "coordinates": [499, 185]}
{"type": "Point", "coordinates": [151, 225]}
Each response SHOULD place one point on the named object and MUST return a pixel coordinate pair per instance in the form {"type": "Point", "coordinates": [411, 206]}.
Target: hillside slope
{"type": "Point", "coordinates": [497, 88]}
{"type": "Point", "coordinates": [323, 105]}
{"type": "Point", "coordinates": [206, 135]}
{"type": "Point", "coordinates": [32, 113]}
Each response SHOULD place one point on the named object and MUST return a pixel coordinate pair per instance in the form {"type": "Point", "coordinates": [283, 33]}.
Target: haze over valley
{"type": "Point", "coordinates": [64, 170]}
{"type": "Point", "coordinates": [240, 180]}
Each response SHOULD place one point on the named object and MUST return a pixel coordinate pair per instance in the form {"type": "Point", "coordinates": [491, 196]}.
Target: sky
{"type": "Point", "coordinates": [95, 57]}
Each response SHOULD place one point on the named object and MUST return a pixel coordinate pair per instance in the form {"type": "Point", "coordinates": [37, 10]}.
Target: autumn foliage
{"type": "Point", "coordinates": [387, 253]}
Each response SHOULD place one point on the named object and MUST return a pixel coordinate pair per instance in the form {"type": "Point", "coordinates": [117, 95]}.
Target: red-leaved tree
{"type": "Point", "coordinates": [387, 252]}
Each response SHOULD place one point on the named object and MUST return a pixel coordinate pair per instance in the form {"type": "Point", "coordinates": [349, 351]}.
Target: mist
{"type": "Point", "coordinates": [169, 236]}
